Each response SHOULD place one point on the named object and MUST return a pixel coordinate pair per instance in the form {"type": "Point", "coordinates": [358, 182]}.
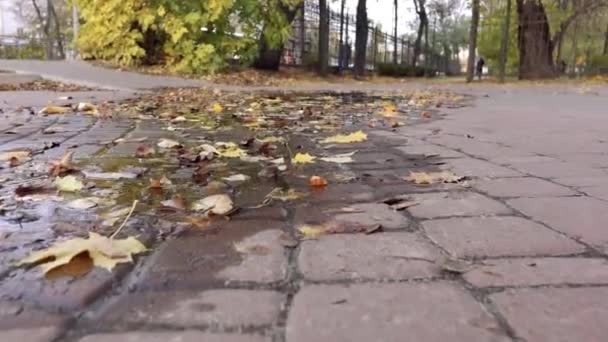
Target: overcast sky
{"type": "Point", "coordinates": [380, 11]}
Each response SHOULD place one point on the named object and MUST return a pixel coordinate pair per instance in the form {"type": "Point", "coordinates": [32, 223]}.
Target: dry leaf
{"type": "Point", "coordinates": [311, 231]}
{"type": "Point", "coordinates": [239, 178]}
{"type": "Point", "coordinates": [54, 110]}
{"type": "Point", "coordinates": [220, 204]}
{"type": "Point", "coordinates": [316, 181]}
{"type": "Point", "coordinates": [176, 202]}
{"type": "Point", "coordinates": [62, 166]}
{"type": "Point", "coordinates": [168, 143]}
{"type": "Point", "coordinates": [27, 190]}
{"type": "Point", "coordinates": [163, 182]}
{"type": "Point", "coordinates": [144, 151]}
{"type": "Point", "coordinates": [347, 138]}
{"type": "Point", "coordinates": [343, 158]}
{"type": "Point", "coordinates": [218, 108]}
{"type": "Point", "coordinates": [103, 251]}
{"type": "Point", "coordinates": [433, 177]}
{"type": "Point", "coordinates": [88, 108]}
{"type": "Point", "coordinates": [68, 184]}
{"type": "Point", "coordinates": [230, 150]}
{"type": "Point", "coordinates": [19, 155]}
{"type": "Point", "coordinates": [83, 203]}
{"type": "Point", "coordinates": [426, 115]}
{"type": "Point", "coordinates": [284, 195]}
{"type": "Point", "coordinates": [303, 158]}
{"type": "Point", "coordinates": [199, 222]}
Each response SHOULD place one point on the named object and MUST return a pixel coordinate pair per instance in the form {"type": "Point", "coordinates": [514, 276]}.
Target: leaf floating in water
{"type": "Point", "coordinates": [68, 184]}
{"type": "Point", "coordinates": [62, 166]}
{"type": "Point", "coordinates": [317, 181]}
{"type": "Point", "coordinates": [343, 158]}
{"type": "Point", "coordinates": [168, 143]}
{"type": "Point", "coordinates": [220, 204]}
{"type": "Point", "coordinates": [303, 158]}
{"type": "Point", "coordinates": [347, 138]}
{"type": "Point", "coordinates": [104, 252]}
{"type": "Point", "coordinates": [54, 110]}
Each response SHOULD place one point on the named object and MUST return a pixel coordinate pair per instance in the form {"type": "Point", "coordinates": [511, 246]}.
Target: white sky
{"type": "Point", "coordinates": [380, 11]}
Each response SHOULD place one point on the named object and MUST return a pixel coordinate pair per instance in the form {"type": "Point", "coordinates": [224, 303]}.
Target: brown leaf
{"type": "Point", "coordinates": [317, 181]}
{"type": "Point", "coordinates": [201, 175]}
{"type": "Point", "coordinates": [15, 158]}
{"type": "Point", "coordinates": [199, 221]}
{"type": "Point", "coordinates": [62, 166]}
{"type": "Point", "coordinates": [433, 177]}
{"type": "Point", "coordinates": [144, 151]}
{"type": "Point", "coordinates": [176, 202]}
{"type": "Point", "coordinates": [27, 190]}
{"type": "Point", "coordinates": [426, 115]}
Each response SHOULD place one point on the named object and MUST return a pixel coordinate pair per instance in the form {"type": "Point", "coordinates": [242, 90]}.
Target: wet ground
{"type": "Point", "coordinates": [515, 251]}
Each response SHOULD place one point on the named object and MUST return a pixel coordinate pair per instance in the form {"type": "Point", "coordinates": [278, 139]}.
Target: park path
{"type": "Point", "coordinates": [531, 222]}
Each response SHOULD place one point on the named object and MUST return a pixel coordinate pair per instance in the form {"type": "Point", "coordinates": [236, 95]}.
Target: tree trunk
{"type": "Point", "coordinates": [606, 41]}
{"type": "Point", "coordinates": [361, 38]}
{"type": "Point", "coordinates": [395, 35]}
{"type": "Point", "coordinates": [269, 57]}
{"type": "Point", "coordinates": [427, 52]}
{"type": "Point", "coordinates": [75, 28]}
{"type": "Point", "coordinates": [473, 41]}
{"type": "Point", "coordinates": [45, 24]}
{"type": "Point", "coordinates": [423, 22]}
{"type": "Point", "coordinates": [504, 45]}
{"type": "Point", "coordinates": [574, 51]}
{"type": "Point", "coordinates": [534, 41]}
{"type": "Point", "coordinates": [58, 35]}
{"type": "Point", "coordinates": [323, 37]}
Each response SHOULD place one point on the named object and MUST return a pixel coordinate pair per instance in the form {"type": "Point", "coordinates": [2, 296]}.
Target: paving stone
{"type": "Point", "coordinates": [521, 187]}
{"type": "Point", "coordinates": [343, 193]}
{"type": "Point", "coordinates": [539, 271]}
{"type": "Point", "coordinates": [368, 214]}
{"type": "Point", "coordinates": [212, 258]}
{"type": "Point", "coordinates": [497, 236]}
{"type": "Point", "coordinates": [390, 313]}
{"type": "Point", "coordinates": [35, 334]}
{"type": "Point", "coordinates": [394, 256]}
{"type": "Point", "coordinates": [462, 203]}
{"type": "Point", "coordinates": [580, 217]}
{"type": "Point", "coordinates": [470, 167]}
{"type": "Point", "coordinates": [558, 169]}
{"type": "Point", "coordinates": [206, 308]}
{"type": "Point", "coordinates": [63, 294]}
{"type": "Point", "coordinates": [430, 150]}
{"type": "Point", "coordinates": [14, 314]}
{"type": "Point", "coordinates": [556, 314]}
{"type": "Point", "coordinates": [173, 336]}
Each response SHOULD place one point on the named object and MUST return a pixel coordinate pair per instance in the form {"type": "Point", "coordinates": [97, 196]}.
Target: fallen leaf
{"type": "Point", "coordinates": [88, 108]}
{"type": "Point", "coordinates": [111, 175]}
{"type": "Point", "coordinates": [83, 203]}
{"type": "Point", "coordinates": [230, 150]}
{"type": "Point", "coordinates": [27, 190]}
{"type": "Point", "coordinates": [343, 158]}
{"type": "Point", "coordinates": [220, 204]}
{"type": "Point", "coordinates": [168, 143]}
{"type": "Point", "coordinates": [456, 266]}
{"type": "Point", "coordinates": [54, 110]}
{"type": "Point", "coordinates": [239, 178]}
{"type": "Point", "coordinates": [62, 166]}
{"type": "Point", "coordinates": [104, 252]}
{"type": "Point", "coordinates": [347, 138]}
{"type": "Point", "coordinates": [271, 140]}
{"type": "Point", "coordinates": [317, 181]}
{"type": "Point", "coordinates": [303, 158]}
{"type": "Point", "coordinates": [68, 184]}
{"type": "Point", "coordinates": [433, 177]}
{"type": "Point", "coordinates": [144, 151]}
{"type": "Point", "coordinates": [218, 108]}
{"type": "Point", "coordinates": [390, 110]}
{"type": "Point", "coordinates": [426, 115]}
{"type": "Point", "coordinates": [284, 195]}
{"type": "Point", "coordinates": [199, 222]}
{"type": "Point", "coordinates": [176, 202]}
{"type": "Point", "coordinates": [15, 158]}
{"type": "Point", "coordinates": [251, 249]}
{"type": "Point", "coordinates": [163, 182]}
{"type": "Point", "coordinates": [113, 216]}
{"type": "Point", "coordinates": [311, 231]}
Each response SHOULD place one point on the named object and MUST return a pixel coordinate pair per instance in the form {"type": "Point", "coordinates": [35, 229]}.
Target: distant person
{"type": "Point", "coordinates": [479, 67]}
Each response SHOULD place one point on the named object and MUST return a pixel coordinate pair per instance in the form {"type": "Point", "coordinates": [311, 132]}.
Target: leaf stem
{"type": "Point", "coordinates": [126, 219]}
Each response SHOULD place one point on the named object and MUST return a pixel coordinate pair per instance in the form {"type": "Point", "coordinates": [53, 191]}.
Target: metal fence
{"type": "Point", "coordinates": [302, 47]}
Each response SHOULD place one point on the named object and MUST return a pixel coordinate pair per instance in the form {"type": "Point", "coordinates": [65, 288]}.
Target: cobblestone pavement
{"type": "Point", "coordinates": [531, 226]}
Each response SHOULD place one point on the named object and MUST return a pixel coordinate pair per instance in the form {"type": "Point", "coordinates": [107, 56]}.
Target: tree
{"type": "Point", "coordinates": [423, 23]}
{"type": "Point", "coordinates": [606, 41]}
{"type": "Point", "coordinates": [323, 37]}
{"type": "Point", "coordinates": [504, 44]}
{"type": "Point", "coordinates": [277, 17]}
{"type": "Point", "coordinates": [395, 47]}
{"type": "Point", "coordinates": [473, 40]}
{"type": "Point", "coordinates": [536, 44]}
{"type": "Point", "coordinates": [361, 38]}
{"type": "Point", "coordinates": [44, 21]}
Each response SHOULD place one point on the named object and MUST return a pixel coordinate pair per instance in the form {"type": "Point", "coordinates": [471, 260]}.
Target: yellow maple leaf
{"type": "Point", "coordinates": [311, 231]}
{"type": "Point", "coordinates": [347, 138]}
{"type": "Point", "coordinates": [230, 150]}
{"type": "Point", "coordinates": [54, 110]}
{"type": "Point", "coordinates": [303, 158]}
{"type": "Point", "coordinates": [218, 108]}
{"type": "Point", "coordinates": [433, 177]}
{"type": "Point", "coordinates": [68, 184]}
{"type": "Point", "coordinates": [104, 252]}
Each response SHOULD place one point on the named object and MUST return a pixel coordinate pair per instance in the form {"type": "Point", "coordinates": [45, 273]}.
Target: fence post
{"type": "Point", "coordinates": [374, 46]}
{"type": "Point", "coordinates": [302, 32]}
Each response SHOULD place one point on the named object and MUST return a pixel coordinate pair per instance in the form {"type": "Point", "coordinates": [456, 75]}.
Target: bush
{"type": "Point", "coordinates": [599, 64]}
{"type": "Point", "coordinates": [400, 70]}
